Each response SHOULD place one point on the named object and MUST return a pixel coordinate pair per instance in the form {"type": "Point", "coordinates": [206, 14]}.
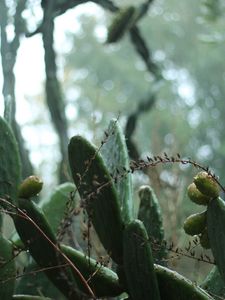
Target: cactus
{"type": "Point", "coordinates": [41, 249]}
{"type": "Point", "coordinates": [29, 297]}
{"type": "Point", "coordinates": [216, 232]}
{"type": "Point", "coordinates": [103, 207]}
{"type": "Point", "coordinates": [103, 281]}
{"type": "Point", "coordinates": [7, 269]}
{"type": "Point", "coordinates": [10, 166]}
{"type": "Point", "coordinates": [138, 263]}
{"type": "Point", "coordinates": [214, 284]}
{"type": "Point", "coordinates": [54, 208]}
{"type": "Point", "coordinates": [150, 214]}
{"type": "Point", "coordinates": [115, 156]}
{"type": "Point", "coordinates": [105, 188]}
{"type": "Point", "coordinates": [174, 286]}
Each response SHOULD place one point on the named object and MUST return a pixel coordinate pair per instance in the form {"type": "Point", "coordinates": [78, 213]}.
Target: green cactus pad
{"type": "Point", "coordinates": [174, 286]}
{"type": "Point", "coordinates": [216, 232]}
{"type": "Point", "coordinates": [29, 297]}
{"type": "Point", "coordinates": [7, 269]}
{"type": "Point", "coordinates": [98, 194]}
{"type": "Point", "coordinates": [150, 214]}
{"type": "Point", "coordinates": [195, 223]}
{"type": "Point", "coordinates": [214, 283]}
{"type": "Point", "coordinates": [138, 263]}
{"type": "Point", "coordinates": [120, 24]}
{"type": "Point", "coordinates": [103, 281]}
{"type": "Point", "coordinates": [116, 158]}
{"type": "Point", "coordinates": [41, 250]}
{"type": "Point", "coordinates": [36, 283]}
{"type": "Point", "coordinates": [207, 185]}
{"type": "Point", "coordinates": [10, 166]}
{"type": "Point", "coordinates": [196, 196]}
{"type": "Point", "coordinates": [54, 208]}
{"type": "Point", "coordinates": [204, 239]}
{"type": "Point", "coordinates": [30, 187]}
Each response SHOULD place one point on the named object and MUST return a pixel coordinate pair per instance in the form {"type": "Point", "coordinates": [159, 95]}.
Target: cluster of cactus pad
{"type": "Point", "coordinates": [103, 180]}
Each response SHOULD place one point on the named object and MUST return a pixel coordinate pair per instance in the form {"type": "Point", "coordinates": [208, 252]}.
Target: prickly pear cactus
{"type": "Point", "coordinates": [138, 263]}
{"type": "Point", "coordinates": [10, 166]}
{"type": "Point", "coordinates": [98, 194]}
{"type": "Point", "coordinates": [174, 286]}
{"type": "Point", "coordinates": [116, 158]}
{"type": "Point", "coordinates": [216, 232]}
{"type": "Point", "coordinates": [55, 207]}
{"type": "Point", "coordinates": [150, 214]}
{"type": "Point", "coordinates": [7, 269]}
{"type": "Point", "coordinates": [214, 284]}
{"type": "Point", "coordinates": [43, 251]}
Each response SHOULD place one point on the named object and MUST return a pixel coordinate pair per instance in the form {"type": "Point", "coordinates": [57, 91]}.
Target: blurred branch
{"type": "Point", "coordinates": [142, 49]}
{"type": "Point", "coordinates": [53, 90]}
{"type": "Point", "coordinates": [143, 107]}
{"type": "Point", "coordinates": [61, 8]}
{"type": "Point", "coordinates": [8, 56]}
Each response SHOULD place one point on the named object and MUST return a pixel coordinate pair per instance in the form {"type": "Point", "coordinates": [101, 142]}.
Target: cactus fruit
{"type": "Point", "coordinates": [138, 263]}
{"type": "Point", "coordinates": [30, 187]}
{"type": "Point", "coordinates": [120, 24]}
{"type": "Point", "coordinates": [115, 155]}
{"type": "Point", "coordinates": [206, 184]}
{"type": "Point", "coordinates": [195, 224]}
{"type": "Point", "coordinates": [98, 194]}
{"type": "Point", "coordinates": [196, 196]}
{"type": "Point", "coordinates": [150, 214]}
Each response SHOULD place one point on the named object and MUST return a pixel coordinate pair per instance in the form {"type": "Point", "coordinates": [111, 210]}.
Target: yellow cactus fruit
{"type": "Point", "coordinates": [30, 187]}
{"type": "Point", "coordinates": [196, 196]}
{"type": "Point", "coordinates": [195, 223]}
{"type": "Point", "coordinates": [206, 184]}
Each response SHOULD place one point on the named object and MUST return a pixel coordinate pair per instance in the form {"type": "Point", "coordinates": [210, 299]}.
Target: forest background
{"type": "Point", "coordinates": [166, 87]}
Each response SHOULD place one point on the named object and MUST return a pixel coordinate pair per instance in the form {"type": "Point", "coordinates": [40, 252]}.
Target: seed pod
{"type": "Point", "coordinates": [195, 223]}
{"type": "Point", "coordinates": [30, 187]}
{"type": "Point", "coordinates": [204, 239]}
{"type": "Point", "coordinates": [196, 196]}
{"type": "Point", "coordinates": [207, 184]}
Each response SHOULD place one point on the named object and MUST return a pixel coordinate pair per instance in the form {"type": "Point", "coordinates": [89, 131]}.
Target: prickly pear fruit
{"type": "Point", "coordinates": [195, 223]}
{"type": "Point", "coordinates": [206, 184]}
{"type": "Point", "coordinates": [30, 187]}
{"type": "Point", "coordinates": [196, 196]}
